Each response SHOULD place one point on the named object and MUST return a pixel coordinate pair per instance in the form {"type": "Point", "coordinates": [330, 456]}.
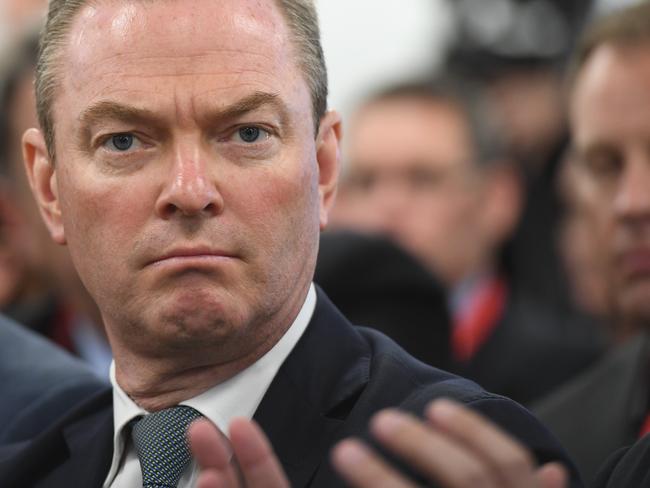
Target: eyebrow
{"type": "Point", "coordinates": [251, 103]}
{"type": "Point", "coordinates": [111, 110]}
{"type": "Point", "coordinates": [107, 110]}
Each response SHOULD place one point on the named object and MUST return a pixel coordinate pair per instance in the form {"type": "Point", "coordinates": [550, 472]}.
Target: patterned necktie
{"type": "Point", "coordinates": [161, 443]}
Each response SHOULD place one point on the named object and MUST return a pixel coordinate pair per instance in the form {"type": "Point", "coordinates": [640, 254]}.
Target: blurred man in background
{"type": "Point", "coordinates": [518, 50]}
{"type": "Point", "coordinates": [425, 167]}
{"type": "Point", "coordinates": [609, 105]}
{"type": "Point", "coordinates": [39, 286]}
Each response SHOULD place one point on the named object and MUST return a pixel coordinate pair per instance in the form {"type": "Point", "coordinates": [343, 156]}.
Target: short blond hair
{"type": "Point", "coordinates": [300, 15]}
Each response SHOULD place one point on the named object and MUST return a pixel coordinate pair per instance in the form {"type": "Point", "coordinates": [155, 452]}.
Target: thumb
{"type": "Point", "coordinates": [552, 475]}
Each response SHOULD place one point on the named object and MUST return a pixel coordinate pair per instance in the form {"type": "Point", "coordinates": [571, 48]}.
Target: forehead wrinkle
{"type": "Point", "coordinates": [190, 61]}
{"type": "Point", "coordinates": [120, 73]}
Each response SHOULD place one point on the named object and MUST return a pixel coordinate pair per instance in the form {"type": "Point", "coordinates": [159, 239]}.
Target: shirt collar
{"type": "Point", "coordinates": [239, 396]}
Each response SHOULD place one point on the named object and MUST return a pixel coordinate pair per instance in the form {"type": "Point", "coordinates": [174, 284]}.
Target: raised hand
{"type": "Point", "coordinates": [248, 460]}
{"type": "Point", "coordinates": [454, 447]}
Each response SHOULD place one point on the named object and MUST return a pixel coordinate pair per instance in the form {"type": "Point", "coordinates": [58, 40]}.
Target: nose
{"type": "Point", "coordinates": [632, 201]}
{"type": "Point", "coordinates": [191, 189]}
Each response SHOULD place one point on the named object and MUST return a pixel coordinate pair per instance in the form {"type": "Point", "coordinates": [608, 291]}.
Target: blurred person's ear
{"type": "Point", "coordinates": [503, 202]}
{"type": "Point", "coordinates": [328, 156]}
{"type": "Point", "coordinates": [42, 179]}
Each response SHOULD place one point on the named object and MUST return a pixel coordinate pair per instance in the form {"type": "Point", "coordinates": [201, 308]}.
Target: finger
{"type": "Point", "coordinates": [258, 463]}
{"type": "Point", "coordinates": [434, 454]}
{"type": "Point", "coordinates": [552, 475]}
{"type": "Point", "coordinates": [361, 468]}
{"type": "Point", "coordinates": [212, 453]}
{"type": "Point", "coordinates": [510, 462]}
{"type": "Point", "coordinates": [211, 478]}
{"type": "Point", "coordinates": [207, 445]}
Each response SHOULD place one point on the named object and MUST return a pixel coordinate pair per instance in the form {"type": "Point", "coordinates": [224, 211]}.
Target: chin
{"type": "Point", "coordinates": [200, 317]}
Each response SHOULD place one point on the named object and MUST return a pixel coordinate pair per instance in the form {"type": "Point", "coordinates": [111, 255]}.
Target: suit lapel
{"type": "Point", "coordinates": [304, 408]}
{"type": "Point", "coordinates": [74, 452]}
{"type": "Point", "coordinates": [90, 446]}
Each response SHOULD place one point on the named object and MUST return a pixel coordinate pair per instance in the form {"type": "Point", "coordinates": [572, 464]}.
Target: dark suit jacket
{"type": "Point", "coordinates": [39, 382]}
{"type": "Point", "coordinates": [628, 467]}
{"type": "Point", "coordinates": [336, 377]}
{"type": "Point", "coordinates": [532, 350]}
{"type": "Point", "coordinates": [377, 284]}
{"type": "Point", "coordinates": [601, 410]}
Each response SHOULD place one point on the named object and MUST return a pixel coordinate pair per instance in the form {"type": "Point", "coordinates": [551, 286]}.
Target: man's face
{"type": "Point", "coordinates": [611, 131]}
{"type": "Point", "coordinates": [188, 183]}
{"type": "Point", "coordinates": [412, 176]}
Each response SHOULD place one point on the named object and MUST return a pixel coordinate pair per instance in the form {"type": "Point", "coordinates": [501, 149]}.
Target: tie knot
{"type": "Point", "coordinates": [161, 443]}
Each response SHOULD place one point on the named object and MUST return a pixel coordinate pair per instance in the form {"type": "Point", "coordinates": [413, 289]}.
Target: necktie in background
{"type": "Point", "coordinates": [161, 443]}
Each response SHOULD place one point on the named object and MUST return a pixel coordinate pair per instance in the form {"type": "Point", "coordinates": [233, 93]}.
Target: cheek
{"type": "Point", "coordinates": [101, 219]}
{"type": "Point", "coordinates": [279, 199]}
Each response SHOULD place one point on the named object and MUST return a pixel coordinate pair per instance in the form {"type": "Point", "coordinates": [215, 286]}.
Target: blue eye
{"type": "Point", "coordinates": [121, 142]}
{"type": "Point", "coordinates": [249, 134]}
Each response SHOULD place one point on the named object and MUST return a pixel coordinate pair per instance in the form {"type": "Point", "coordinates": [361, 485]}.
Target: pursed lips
{"type": "Point", "coordinates": [191, 257]}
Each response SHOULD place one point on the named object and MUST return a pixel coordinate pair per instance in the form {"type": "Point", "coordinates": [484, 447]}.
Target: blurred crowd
{"type": "Point", "coordinates": [466, 226]}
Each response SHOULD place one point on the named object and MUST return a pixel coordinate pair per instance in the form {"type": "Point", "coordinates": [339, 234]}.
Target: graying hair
{"type": "Point", "coordinates": [300, 15]}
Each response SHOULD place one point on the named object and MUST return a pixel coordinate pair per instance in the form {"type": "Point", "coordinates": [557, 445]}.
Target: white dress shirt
{"type": "Point", "coordinates": [237, 397]}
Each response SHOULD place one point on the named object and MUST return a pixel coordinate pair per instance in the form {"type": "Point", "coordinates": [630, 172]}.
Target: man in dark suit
{"type": "Point", "coordinates": [188, 161]}
{"type": "Point", "coordinates": [39, 382]}
{"type": "Point", "coordinates": [608, 406]}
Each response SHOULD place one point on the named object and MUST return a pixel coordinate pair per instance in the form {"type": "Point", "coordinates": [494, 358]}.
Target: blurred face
{"type": "Point", "coordinates": [26, 249]}
{"type": "Point", "coordinates": [188, 183]}
{"type": "Point", "coordinates": [36, 245]}
{"type": "Point", "coordinates": [412, 176]}
{"type": "Point", "coordinates": [18, 12]}
{"type": "Point", "coordinates": [611, 130]}
{"type": "Point", "coordinates": [583, 239]}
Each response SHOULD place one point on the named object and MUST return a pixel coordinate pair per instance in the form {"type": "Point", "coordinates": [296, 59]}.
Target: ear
{"type": "Point", "coordinates": [42, 178]}
{"type": "Point", "coordinates": [328, 156]}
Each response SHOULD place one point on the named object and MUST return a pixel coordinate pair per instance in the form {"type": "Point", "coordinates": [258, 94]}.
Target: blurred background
{"type": "Point", "coordinates": [454, 192]}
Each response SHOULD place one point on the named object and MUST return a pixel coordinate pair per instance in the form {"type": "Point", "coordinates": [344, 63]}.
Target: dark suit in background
{"type": "Point", "coordinates": [377, 284]}
{"type": "Point", "coordinates": [627, 467]}
{"type": "Point", "coordinates": [39, 382]}
{"type": "Point", "coordinates": [601, 410]}
{"type": "Point", "coordinates": [336, 377]}
{"type": "Point", "coordinates": [532, 350]}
